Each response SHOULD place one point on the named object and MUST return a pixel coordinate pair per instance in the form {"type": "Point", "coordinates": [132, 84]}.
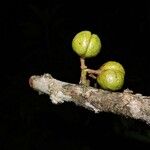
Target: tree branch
{"type": "Point", "coordinates": [123, 103]}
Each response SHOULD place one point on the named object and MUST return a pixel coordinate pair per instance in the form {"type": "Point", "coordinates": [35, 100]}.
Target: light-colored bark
{"type": "Point", "coordinates": [124, 103]}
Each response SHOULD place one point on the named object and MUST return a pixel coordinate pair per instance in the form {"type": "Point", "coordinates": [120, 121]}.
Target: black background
{"type": "Point", "coordinates": [36, 39]}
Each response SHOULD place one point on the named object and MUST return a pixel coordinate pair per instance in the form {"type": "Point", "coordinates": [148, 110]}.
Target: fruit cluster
{"type": "Point", "coordinates": [110, 75]}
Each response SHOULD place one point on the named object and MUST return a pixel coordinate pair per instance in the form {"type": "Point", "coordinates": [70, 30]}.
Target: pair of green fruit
{"type": "Point", "coordinates": [111, 74]}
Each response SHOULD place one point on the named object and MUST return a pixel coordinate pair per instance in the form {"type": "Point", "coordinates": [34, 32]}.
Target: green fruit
{"type": "Point", "coordinates": [86, 45]}
{"type": "Point", "coordinates": [112, 65]}
{"type": "Point", "coordinates": [111, 76]}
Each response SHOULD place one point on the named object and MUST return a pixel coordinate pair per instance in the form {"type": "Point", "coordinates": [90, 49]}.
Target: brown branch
{"type": "Point", "coordinates": [123, 103]}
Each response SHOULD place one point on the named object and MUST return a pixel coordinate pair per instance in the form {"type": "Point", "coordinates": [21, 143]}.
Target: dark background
{"type": "Point", "coordinates": [36, 39]}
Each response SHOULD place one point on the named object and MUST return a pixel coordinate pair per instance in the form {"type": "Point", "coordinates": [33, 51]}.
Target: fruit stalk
{"type": "Point", "coordinates": [83, 67]}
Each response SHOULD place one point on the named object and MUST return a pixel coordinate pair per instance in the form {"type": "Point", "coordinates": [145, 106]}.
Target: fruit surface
{"type": "Point", "coordinates": [111, 76]}
{"type": "Point", "coordinates": [86, 45]}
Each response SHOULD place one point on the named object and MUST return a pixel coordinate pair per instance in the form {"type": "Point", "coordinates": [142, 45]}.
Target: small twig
{"type": "Point", "coordinates": [83, 80]}
{"type": "Point", "coordinates": [124, 103]}
{"type": "Point", "coordinates": [92, 71]}
{"type": "Point", "coordinates": [82, 62]}
{"type": "Point", "coordinates": [84, 71]}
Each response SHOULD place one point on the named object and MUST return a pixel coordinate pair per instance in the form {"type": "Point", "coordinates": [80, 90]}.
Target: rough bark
{"type": "Point", "coordinates": [124, 103]}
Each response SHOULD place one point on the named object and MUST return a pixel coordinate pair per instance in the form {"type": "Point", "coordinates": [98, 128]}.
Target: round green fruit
{"type": "Point", "coordinates": [111, 76]}
{"type": "Point", "coordinates": [86, 45]}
